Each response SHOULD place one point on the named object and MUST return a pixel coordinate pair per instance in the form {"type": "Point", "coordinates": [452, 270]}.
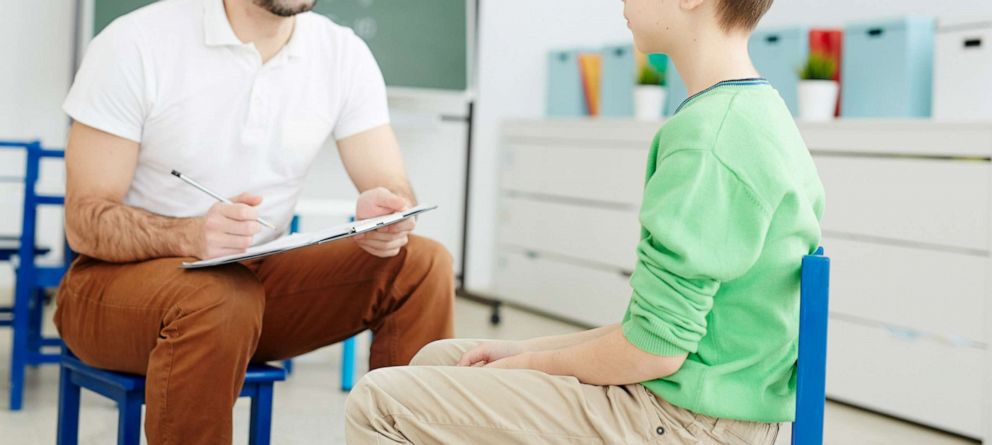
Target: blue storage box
{"type": "Point", "coordinates": [888, 68]}
{"type": "Point", "coordinates": [619, 77]}
{"type": "Point", "coordinates": [677, 92]}
{"type": "Point", "coordinates": [778, 54]}
{"type": "Point", "coordinates": [565, 95]}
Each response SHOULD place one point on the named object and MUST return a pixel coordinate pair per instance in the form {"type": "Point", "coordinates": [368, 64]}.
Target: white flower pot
{"type": "Point", "coordinates": [818, 99]}
{"type": "Point", "coordinates": [649, 102]}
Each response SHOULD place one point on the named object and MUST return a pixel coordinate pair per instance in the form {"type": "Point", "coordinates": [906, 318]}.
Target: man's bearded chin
{"type": "Point", "coordinates": [286, 8]}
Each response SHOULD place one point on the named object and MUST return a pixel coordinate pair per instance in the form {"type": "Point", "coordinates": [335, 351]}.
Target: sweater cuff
{"type": "Point", "coordinates": [649, 341]}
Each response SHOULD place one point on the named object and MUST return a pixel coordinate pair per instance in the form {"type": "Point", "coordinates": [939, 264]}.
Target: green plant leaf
{"type": "Point", "coordinates": [649, 75]}
{"type": "Point", "coordinates": [818, 67]}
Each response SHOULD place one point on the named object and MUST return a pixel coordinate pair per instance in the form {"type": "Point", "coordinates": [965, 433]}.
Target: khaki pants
{"type": "Point", "coordinates": [193, 332]}
{"type": "Point", "coordinates": [433, 402]}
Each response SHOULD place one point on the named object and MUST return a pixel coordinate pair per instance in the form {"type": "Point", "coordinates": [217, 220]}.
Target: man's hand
{"type": "Point", "coordinates": [492, 351]}
{"type": "Point", "coordinates": [387, 241]}
{"type": "Point", "coordinates": [228, 229]}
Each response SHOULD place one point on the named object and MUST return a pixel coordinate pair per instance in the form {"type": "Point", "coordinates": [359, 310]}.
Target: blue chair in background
{"type": "Point", "coordinates": [32, 280]}
{"type": "Point", "coordinates": [812, 364]}
{"type": "Point", "coordinates": [129, 392]}
{"type": "Point", "coordinates": [348, 361]}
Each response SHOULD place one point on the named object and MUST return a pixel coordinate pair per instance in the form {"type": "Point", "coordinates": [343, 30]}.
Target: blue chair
{"type": "Point", "coordinates": [812, 364]}
{"type": "Point", "coordinates": [348, 361]}
{"type": "Point", "coordinates": [9, 247]}
{"type": "Point", "coordinates": [129, 392]}
{"type": "Point", "coordinates": [26, 315]}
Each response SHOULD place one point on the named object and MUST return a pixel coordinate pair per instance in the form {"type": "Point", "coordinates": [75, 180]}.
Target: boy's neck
{"type": "Point", "coordinates": [710, 58]}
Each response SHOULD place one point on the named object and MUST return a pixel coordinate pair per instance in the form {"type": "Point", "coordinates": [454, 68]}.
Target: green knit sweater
{"type": "Point", "coordinates": [731, 205]}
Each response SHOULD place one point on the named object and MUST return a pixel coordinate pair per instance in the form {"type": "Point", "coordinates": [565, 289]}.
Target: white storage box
{"type": "Point", "coordinates": [963, 68]}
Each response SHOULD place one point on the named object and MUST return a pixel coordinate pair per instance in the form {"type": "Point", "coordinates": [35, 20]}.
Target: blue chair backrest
{"type": "Point", "coordinates": [812, 363]}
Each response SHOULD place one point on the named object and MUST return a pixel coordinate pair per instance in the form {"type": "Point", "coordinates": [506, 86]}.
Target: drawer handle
{"type": "Point", "coordinates": [876, 32]}
{"type": "Point", "coordinates": [620, 52]}
{"type": "Point", "coordinates": [626, 273]}
{"type": "Point", "coordinates": [773, 39]}
{"type": "Point", "coordinates": [563, 57]}
{"type": "Point", "coordinates": [973, 43]}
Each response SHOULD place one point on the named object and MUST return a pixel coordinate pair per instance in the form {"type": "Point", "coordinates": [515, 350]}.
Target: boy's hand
{"type": "Point", "coordinates": [491, 351]}
{"type": "Point", "coordinates": [387, 241]}
{"type": "Point", "coordinates": [227, 229]}
{"type": "Point", "coordinates": [526, 360]}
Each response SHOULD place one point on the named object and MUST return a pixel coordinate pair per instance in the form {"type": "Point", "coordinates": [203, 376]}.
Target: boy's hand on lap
{"type": "Point", "coordinates": [523, 360]}
{"type": "Point", "coordinates": [491, 351]}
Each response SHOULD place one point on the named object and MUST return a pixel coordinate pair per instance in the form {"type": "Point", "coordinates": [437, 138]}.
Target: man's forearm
{"type": "Point", "coordinates": [405, 190]}
{"type": "Point", "coordinates": [563, 341]}
{"type": "Point", "coordinates": [113, 232]}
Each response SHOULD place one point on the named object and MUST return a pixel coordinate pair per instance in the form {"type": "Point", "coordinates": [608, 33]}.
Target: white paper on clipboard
{"type": "Point", "coordinates": [301, 240]}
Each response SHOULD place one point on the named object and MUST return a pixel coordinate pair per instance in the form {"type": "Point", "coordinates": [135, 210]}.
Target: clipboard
{"type": "Point", "coordinates": [301, 240]}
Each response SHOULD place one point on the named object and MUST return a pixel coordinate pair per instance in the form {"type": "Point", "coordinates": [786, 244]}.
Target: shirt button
{"type": "Point", "coordinates": [660, 430]}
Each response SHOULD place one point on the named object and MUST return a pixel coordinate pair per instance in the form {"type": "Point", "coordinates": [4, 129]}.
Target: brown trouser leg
{"type": "Point", "coordinates": [193, 332]}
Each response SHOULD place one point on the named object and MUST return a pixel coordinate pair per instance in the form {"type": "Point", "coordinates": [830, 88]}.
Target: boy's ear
{"type": "Point", "coordinates": [689, 5]}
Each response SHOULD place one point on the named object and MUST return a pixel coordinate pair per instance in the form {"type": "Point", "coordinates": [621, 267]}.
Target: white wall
{"type": "Point", "coordinates": [35, 68]}
{"type": "Point", "coordinates": [514, 38]}
{"type": "Point", "coordinates": [516, 34]}
{"type": "Point", "coordinates": [838, 12]}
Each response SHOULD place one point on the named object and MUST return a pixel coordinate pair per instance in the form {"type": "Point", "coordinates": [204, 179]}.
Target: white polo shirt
{"type": "Point", "coordinates": [174, 77]}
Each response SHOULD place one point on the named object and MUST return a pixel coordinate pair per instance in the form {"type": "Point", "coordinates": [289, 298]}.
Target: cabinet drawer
{"type": "Point", "coordinates": [613, 175]}
{"type": "Point", "coordinates": [920, 380]}
{"type": "Point", "coordinates": [594, 234]}
{"type": "Point", "coordinates": [932, 291]}
{"type": "Point", "coordinates": [939, 202]}
{"type": "Point", "coordinates": [584, 294]}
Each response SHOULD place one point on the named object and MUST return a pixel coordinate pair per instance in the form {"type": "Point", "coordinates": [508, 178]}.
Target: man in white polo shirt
{"type": "Point", "coordinates": [239, 95]}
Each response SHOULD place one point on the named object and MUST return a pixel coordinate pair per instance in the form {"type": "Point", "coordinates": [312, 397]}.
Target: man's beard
{"type": "Point", "coordinates": [279, 8]}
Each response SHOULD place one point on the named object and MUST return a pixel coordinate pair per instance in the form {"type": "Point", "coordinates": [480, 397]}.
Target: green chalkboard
{"type": "Point", "coordinates": [418, 43]}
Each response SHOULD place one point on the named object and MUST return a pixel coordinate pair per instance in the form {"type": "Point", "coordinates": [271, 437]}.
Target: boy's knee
{"type": "Point", "coordinates": [442, 352]}
{"type": "Point", "coordinates": [366, 398]}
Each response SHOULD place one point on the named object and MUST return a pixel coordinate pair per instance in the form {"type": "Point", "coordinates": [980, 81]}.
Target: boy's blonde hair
{"type": "Point", "coordinates": [742, 14]}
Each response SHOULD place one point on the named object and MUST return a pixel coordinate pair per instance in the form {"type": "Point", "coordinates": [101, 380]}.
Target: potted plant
{"type": "Point", "coordinates": [649, 96]}
{"type": "Point", "coordinates": [818, 91]}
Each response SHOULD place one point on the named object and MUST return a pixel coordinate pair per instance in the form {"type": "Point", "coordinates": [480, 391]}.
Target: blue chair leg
{"type": "Point", "coordinates": [348, 365]}
{"type": "Point", "coordinates": [68, 426]}
{"type": "Point", "coordinates": [288, 366]}
{"type": "Point", "coordinates": [36, 310]}
{"type": "Point", "coordinates": [260, 426]}
{"type": "Point", "coordinates": [19, 355]}
{"type": "Point", "coordinates": [129, 420]}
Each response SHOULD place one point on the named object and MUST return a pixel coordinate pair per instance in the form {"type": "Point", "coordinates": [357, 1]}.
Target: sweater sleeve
{"type": "Point", "coordinates": [702, 226]}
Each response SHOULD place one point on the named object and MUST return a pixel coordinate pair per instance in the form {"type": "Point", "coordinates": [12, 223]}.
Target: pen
{"type": "Point", "coordinates": [216, 196]}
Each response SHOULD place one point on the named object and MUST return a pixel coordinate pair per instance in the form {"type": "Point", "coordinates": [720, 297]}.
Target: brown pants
{"type": "Point", "coordinates": [193, 333]}
{"type": "Point", "coordinates": [434, 402]}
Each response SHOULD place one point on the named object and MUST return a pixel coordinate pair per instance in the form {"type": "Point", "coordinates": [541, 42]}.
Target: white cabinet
{"type": "Point", "coordinates": [962, 67]}
{"type": "Point", "coordinates": [907, 226]}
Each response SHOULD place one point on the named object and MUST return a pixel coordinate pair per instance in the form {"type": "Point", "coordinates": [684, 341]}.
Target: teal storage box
{"type": "Point", "coordinates": [619, 77]}
{"type": "Point", "coordinates": [778, 54]}
{"type": "Point", "coordinates": [888, 68]}
{"type": "Point", "coordinates": [565, 95]}
{"type": "Point", "coordinates": [677, 92]}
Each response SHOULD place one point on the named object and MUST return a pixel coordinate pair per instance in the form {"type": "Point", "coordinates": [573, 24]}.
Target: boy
{"type": "Point", "coordinates": [707, 349]}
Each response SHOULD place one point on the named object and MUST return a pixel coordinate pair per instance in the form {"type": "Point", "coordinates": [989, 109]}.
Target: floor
{"type": "Point", "coordinates": [308, 407]}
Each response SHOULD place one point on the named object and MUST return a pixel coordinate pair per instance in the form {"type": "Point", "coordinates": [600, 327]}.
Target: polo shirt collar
{"type": "Point", "coordinates": [218, 31]}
